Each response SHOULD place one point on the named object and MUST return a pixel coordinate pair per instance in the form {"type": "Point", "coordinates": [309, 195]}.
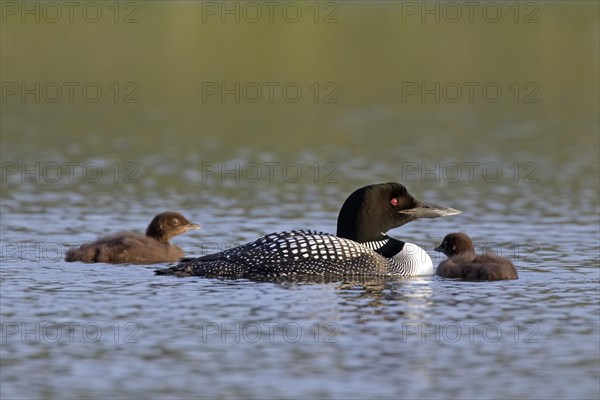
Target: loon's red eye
{"type": "Point", "coordinates": [394, 202]}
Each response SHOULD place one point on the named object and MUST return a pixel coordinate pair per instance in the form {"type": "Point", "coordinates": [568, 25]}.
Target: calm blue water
{"type": "Point", "coordinates": [97, 331]}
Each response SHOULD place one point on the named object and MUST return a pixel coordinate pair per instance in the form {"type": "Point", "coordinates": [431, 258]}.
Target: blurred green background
{"type": "Point", "coordinates": [361, 56]}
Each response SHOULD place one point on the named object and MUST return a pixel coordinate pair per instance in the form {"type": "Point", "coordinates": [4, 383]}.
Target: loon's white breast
{"type": "Point", "coordinates": [414, 260]}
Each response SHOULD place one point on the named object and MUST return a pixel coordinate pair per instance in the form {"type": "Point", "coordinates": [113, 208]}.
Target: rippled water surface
{"type": "Point", "coordinates": [525, 175]}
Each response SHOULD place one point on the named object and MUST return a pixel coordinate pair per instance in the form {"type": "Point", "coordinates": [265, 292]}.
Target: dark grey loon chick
{"type": "Point", "coordinates": [133, 248]}
{"type": "Point", "coordinates": [463, 263]}
{"type": "Point", "coordinates": [360, 248]}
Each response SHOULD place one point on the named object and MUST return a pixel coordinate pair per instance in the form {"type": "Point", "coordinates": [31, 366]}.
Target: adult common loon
{"type": "Point", "coordinates": [133, 248]}
{"type": "Point", "coordinates": [361, 247]}
{"type": "Point", "coordinates": [463, 263]}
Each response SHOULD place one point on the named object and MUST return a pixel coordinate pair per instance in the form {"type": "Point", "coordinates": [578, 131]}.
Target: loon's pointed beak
{"type": "Point", "coordinates": [427, 210]}
{"type": "Point", "coordinates": [191, 226]}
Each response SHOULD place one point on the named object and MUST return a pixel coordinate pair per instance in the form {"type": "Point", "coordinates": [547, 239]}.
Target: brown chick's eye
{"type": "Point", "coordinates": [175, 221]}
{"type": "Point", "coordinates": [394, 202]}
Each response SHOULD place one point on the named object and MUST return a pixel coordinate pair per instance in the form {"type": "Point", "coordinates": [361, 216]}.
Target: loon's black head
{"type": "Point", "coordinates": [456, 243]}
{"type": "Point", "coordinates": [375, 209]}
{"type": "Point", "coordinates": [169, 224]}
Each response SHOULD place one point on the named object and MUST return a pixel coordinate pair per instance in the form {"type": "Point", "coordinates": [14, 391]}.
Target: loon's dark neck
{"type": "Point", "coordinates": [391, 248]}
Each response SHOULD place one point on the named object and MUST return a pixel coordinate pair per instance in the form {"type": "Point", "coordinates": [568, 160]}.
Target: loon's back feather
{"type": "Point", "coordinates": [267, 240]}
{"type": "Point", "coordinates": [294, 253]}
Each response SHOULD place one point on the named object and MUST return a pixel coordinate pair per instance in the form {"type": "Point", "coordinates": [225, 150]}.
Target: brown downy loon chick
{"type": "Point", "coordinates": [133, 248]}
{"type": "Point", "coordinates": [463, 263]}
